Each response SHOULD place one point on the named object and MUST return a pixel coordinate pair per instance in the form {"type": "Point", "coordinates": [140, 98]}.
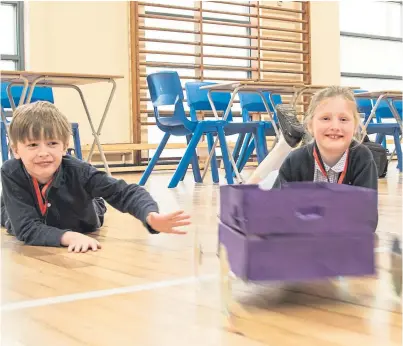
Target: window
{"type": "Point", "coordinates": [12, 35]}
{"type": "Point", "coordinates": [183, 49]}
{"type": "Point", "coordinates": [215, 41]}
{"type": "Point", "coordinates": [371, 44]}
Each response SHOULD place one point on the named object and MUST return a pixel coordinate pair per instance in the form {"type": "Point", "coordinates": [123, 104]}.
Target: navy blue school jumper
{"type": "Point", "coordinates": [72, 202]}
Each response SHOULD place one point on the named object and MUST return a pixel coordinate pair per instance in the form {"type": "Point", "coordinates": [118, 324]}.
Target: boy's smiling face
{"type": "Point", "coordinates": [39, 134]}
{"type": "Point", "coordinates": [41, 158]}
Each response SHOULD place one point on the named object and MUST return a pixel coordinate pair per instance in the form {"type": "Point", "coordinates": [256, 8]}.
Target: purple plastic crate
{"type": "Point", "coordinates": [298, 257]}
{"type": "Point", "coordinates": [299, 208]}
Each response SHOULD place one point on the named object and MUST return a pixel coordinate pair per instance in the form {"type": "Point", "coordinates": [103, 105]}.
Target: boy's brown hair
{"type": "Point", "coordinates": [39, 120]}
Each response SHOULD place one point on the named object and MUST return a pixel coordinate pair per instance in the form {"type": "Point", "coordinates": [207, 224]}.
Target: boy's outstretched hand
{"type": "Point", "coordinates": [167, 223]}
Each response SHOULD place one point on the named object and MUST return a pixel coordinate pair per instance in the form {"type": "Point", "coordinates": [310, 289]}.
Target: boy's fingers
{"type": "Point", "coordinates": [175, 213]}
{"type": "Point", "coordinates": [175, 231]}
{"type": "Point", "coordinates": [181, 223]}
{"type": "Point", "coordinates": [182, 217]}
{"type": "Point", "coordinates": [70, 249]}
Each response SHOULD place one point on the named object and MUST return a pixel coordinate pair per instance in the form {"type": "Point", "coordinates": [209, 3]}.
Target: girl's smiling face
{"type": "Point", "coordinates": [333, 125]}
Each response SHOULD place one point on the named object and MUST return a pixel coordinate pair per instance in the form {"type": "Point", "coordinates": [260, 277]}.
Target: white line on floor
{"type": "Point", "coordinates": [115, 291]}
{"type": "Point", "coordinates": [382, 249]}
{"type": "Point", "coordinates": [103, 293]}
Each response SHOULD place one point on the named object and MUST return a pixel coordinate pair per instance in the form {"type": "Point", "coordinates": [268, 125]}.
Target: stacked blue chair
{"type": "Point", "coordinates": [379, 128]}
{"type": "Point", "coordinates": [198, 101]}
{"type": "Point", "coordinates": [5, 104]}
{"type": "Point", "coordinates": [166, 90]}
{"type": "Point", "coordinates": [364, 106]}
{"type": "Point", "coordinates": [253, 103]}
{"type": "Point", "coordinates": [39, 94]}
{"type": "Point", "coordinates": [382, 113]}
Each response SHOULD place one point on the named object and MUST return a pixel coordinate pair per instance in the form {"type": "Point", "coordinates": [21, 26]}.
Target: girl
{"type": "Point", "coordinates": [333, 156]}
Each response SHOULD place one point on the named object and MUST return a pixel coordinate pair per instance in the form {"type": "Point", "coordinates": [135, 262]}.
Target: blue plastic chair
{"type": "Point", "coordinates": [382, 113]}
{"type": "Point", "coordinates": [253, 103]}
{"type": "Point", "coordinates": [166, 90]}
{"type": "Point", "coordinates": [4, 143]}
{"type": "Point", "coordinates": [198, 101]}
{"type": "Point", "coordinates": [40, 93]}
{"type": "Point", "coordinates": [381, 129]}
{"type": "Point", "coordinates": [364, 106]}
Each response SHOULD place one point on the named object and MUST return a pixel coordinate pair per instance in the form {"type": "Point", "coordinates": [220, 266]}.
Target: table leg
{"type": "Point", "coordinates": [364, 129]}
{"type": "Point", "coordinates": [22, 97]}
{"type": "Point", "coordinates": [94, 133]}
{"type": "Point", "coordinates": [296, 96]}
{"type": "Point", "coordinates": [13, 107]}
{"type": "Point", "coordinates": [268, 111]}
{"type": "Point", "coordinates": [33, 85]}
{"type": "Point", "coordinates": [395, 113]}
{"type": "Point", "coordinates": [399, 121]}
{"type": "Point", "coordinates": [207, 163]}
{"type": "Point", "coordinates": [112, 93]}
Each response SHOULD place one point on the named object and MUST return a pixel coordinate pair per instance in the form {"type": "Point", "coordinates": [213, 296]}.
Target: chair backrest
{"type": "Point", "coordinates": [40, 93]}
{"type": "Point", "coordinates": [364, 106]}
{"type": "Point", "coordinates": [166, 90]}
{"type": "Point", "coordinates": [164, 87]}
{"type": "Point", "coordinates": [197, 99]}
{"type": "Point", "coordinates": [15, 93]}
{"type": "Point", "coordinates": [252, 102]}
{"type": "Point", "coordinates": [383, 111]}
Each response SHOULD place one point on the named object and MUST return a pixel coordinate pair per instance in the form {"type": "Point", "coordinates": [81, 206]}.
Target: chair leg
{"type": "Point", "coordinates": [154, 160]}
{"type": "Point", "coordinates": [238, 146]}
{"type": "Point", "coordinates": [225, 155]}
{"type": "Point", "coordinates": [195, 164]}
{"type": "Point", "coordinates": [398, 148]}
{"type": "Point", "coordinates": [214, 168]}
{"type": "Point", "coordinates": [237, 150]}
{"type": "Point", "coordinates": [188, 138]}
{"type": "Point", "coordinates": [245, 157]}
{"type": "Point", "coordinates": [260, 144]}
{"type": "Point", "coordinates": [184, 162]}
{"type": "Point", "coordinates": [77, 142]}
{"type": "Point", "coordinates": [384, 142]}
{"type": "Point", "coordinates": [4, 145]}
{"type": "Point", "coordinates": [380, 137]}
{"type": "Point", "coordinates": [241, 157]}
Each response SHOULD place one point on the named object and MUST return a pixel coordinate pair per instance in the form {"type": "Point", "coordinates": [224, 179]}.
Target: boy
{"type": "Point", "coordinates": [52, 199]}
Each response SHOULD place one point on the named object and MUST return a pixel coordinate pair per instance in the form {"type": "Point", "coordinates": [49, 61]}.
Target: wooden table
{"type": "Point", "coordinates": [30, 79]}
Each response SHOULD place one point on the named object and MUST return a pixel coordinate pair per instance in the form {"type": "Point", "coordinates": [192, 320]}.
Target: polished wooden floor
{"type": "Point", "coordinates": [141, 289]}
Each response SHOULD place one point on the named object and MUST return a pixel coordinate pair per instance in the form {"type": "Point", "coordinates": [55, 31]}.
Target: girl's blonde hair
{"type": "Point", "coordinates": [39, 120]}
{"type": "Point", "coordinates": [329, 92]}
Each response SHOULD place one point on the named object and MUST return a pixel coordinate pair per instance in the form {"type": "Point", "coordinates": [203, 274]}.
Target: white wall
{"type": "Point", "coordinates": [93, 37]}
{"type": "Point", "coordinates": [84, 37]}
{"type": "Point", "coordinates": [325, 42]}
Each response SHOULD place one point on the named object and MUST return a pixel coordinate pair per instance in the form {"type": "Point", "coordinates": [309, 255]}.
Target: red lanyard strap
{"type": "Point", "coordinates": [41, 195]}
{"type": "Point", "coordinates": [318, 160]}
